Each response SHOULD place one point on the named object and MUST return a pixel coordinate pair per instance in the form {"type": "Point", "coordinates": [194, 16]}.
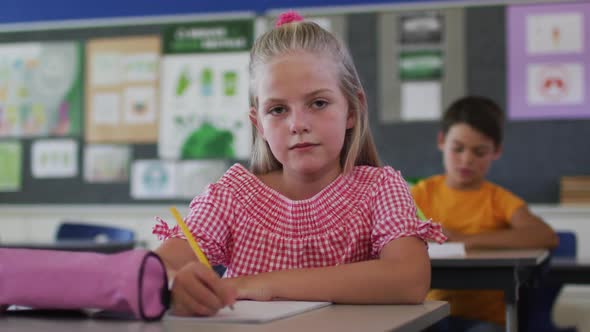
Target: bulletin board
{"type": "Point", "coordinates": [135, 40]}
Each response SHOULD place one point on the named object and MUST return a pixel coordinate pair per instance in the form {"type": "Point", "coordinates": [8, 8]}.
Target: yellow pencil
{"type": "Point", "coordinates": [191, 240]}
{"type": "Point", "coordinates": [189, 237]}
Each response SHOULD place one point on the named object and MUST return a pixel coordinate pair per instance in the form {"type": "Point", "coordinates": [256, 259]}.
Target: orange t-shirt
{"type": "Point", "coordinates": [469, 212]}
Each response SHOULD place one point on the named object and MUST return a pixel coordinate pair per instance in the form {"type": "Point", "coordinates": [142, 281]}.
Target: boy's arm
{"type": "Point", "coordinates": [526, 231]}
{"type": "Point", "coordinates": [400, 275]}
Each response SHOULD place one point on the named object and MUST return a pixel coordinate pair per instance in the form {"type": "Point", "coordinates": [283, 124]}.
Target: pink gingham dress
{"type": "Point", "coordinates": [250, 228]}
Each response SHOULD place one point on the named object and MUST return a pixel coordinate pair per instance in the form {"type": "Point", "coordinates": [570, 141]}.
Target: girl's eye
{"type": "Point", "coordinates": [457, 149]}
{"type": "Point", "coordinates": [319, 104]}
{"type": "Point", "coordinates": [276, 110]}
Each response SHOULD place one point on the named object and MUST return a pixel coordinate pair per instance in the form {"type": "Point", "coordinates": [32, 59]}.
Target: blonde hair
{"type": "Point", "coordinates": [358, 148]}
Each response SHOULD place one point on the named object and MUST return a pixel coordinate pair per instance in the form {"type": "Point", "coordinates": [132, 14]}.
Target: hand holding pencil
{"type": "Point", "coordinates": [197, 289]}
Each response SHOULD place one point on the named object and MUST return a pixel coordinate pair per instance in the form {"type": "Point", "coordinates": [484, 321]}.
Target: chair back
{"type": "Point", "coordinates": [98, 233]}
{"type": "Point", "coordinates": [567, 247]}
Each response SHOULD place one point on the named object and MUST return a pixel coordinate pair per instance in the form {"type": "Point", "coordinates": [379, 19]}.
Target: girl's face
{"type": "Point", "coordinates": [467, 155]}
{"type": "Point", "coordinates": [302, 112]}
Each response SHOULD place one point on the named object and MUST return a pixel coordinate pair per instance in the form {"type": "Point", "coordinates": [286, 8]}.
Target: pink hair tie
{"type": "Point", "coordinates": [288, 17]}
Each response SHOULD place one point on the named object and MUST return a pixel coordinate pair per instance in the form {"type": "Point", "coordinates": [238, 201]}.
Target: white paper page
{"type": "Point", "coordinates": [448, 249]}
{"type": "Point", "coordinates": [258, 311]}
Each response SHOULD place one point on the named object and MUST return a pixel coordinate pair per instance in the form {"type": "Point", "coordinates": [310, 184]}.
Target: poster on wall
{"type": "Point", "coordinates": [165, 179]}
{"type": "Point", "coordinates": [106, 163]}
{"type": "Point", "coordinates": [153, 179]}
{"type": "Point", "coordinates": [10, 166]}
{"type": "Point", "coordinates": [421, 28]}
{"type": "Point", "coordinates": [420, 65]}
{"type": "Point", "coordinates": [40, 89]}
{"type": "Point", "coordinates": [54, 158]}
{"type": "Point", "coordinates": [549, 61]}
{"type": "Point", "coordinates": [195, 175]}
{"type": "Point", "coordinates": [122, 89]}
{"type": "Point", "coordinates": [204, 91]}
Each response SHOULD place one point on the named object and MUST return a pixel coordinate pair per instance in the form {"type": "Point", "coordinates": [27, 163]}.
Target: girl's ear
{"type": "Point", "coordinates": [254, 119]}
{"type": "Point", "coordinates": [440, 140]}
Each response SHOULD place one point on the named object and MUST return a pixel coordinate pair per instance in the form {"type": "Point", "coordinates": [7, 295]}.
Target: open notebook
{"type": "Point", "coordinates": [447, 249]}
{"type": "Point", "coordinates": [257, 311]}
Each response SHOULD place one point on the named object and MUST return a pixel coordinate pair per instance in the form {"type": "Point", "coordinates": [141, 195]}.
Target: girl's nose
{"type": "Point", "coordinates": [300, 122]}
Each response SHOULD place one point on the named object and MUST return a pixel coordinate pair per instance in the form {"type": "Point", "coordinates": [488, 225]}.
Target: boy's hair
{"type": "Point", "coordinates": [358, 148]}
{"type": "Point", "coordinates": [481, 113]}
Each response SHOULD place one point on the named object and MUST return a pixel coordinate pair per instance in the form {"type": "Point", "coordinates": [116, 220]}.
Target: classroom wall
{"type": "Point", "coordinates": [536, 152]}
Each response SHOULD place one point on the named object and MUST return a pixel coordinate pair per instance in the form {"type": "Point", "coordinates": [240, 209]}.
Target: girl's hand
{"type": "Point", "coordinates": [198, 290]}
{"type": "Point", "coordinates": [250, 288]}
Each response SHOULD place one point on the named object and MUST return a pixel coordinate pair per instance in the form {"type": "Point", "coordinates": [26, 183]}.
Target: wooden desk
{"type": "Point", "coordinates": [342, 318]}
{"type": "Point", "coordinates": [504, 270]}
{"type": "Point", "coordinates": [102, 247]}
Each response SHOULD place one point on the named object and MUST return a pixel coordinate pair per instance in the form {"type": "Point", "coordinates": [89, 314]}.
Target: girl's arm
{"type": "Point", "coordinates": [175, 253]}
{"type": "Point", "coordinates": [526, 231]}
{"type": "Point", "coordinates": [400, 275]}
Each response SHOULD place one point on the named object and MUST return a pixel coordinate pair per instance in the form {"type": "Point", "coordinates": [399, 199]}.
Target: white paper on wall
{"type": "Point", "coordinates": [106, 163]}
{"type": "Point", "coordinates": [54, 158]}
{"type": "Point", "coordinates": [554, 33]}
{"type": "Point", "coordinates": [106, 108]}
{"type": "Point", "coordinates": [107, 68]}
{"type": "Point", "coordinates": [421, 100]}
{"type": "Point", "coordinates": [555, 84]}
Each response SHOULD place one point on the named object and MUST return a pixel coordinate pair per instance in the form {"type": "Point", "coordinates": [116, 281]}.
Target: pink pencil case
{"type": "Point", "coordinates": [132, 282]}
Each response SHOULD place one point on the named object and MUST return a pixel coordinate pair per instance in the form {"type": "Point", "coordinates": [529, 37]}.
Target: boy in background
{"type": "Point", "coordinates": [475, 211]}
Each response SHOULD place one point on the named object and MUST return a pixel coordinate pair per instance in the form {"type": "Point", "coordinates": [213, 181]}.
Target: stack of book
{"type": "Point", "coordinates": [575, 190]}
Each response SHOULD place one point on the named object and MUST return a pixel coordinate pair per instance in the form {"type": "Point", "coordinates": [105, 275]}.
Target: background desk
{"type": "Point", "coordinates": [106, 247]}
{"type": "Point", "coordinates": [342, 318]}
{"type": "Point", "coordinates": [505, 270]}
{"type": "Point", "coordinates": [569, 271]}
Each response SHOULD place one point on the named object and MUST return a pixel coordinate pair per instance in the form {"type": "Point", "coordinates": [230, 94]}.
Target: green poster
{"type": "Point", "coordinates": [420, 65]}
{"type": "Point", "coordinates": [204, 91]}
{"type": "Point", "coordinates": [10, 166]}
